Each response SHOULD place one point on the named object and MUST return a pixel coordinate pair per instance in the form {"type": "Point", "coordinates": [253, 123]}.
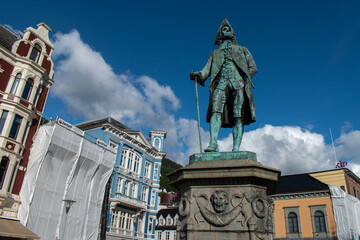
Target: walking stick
{"type": "Point", "coordinates": [198, 114]}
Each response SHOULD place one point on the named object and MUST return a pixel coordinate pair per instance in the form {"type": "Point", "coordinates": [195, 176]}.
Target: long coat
{"type": "Point", "coordinates": [247, 68]}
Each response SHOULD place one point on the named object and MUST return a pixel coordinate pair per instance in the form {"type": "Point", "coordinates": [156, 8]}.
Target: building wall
{"type": "Point", "coordinates": [334, 178]}
{"type": "Point", "coordinates": [304, 212]}
{"type": "Point", "coordinates": [22, 102]}
{"type": "Point", "coordinates": [133, 196]}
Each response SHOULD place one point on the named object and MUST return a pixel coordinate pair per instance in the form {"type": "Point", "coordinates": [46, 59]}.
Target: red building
{"type": "Point", "coordinates": [26, 72]}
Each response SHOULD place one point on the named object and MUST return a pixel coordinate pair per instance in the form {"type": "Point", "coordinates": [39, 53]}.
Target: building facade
{"type": "Point", "coordinates": [133, 194]}
{"type": "Point", "coordinates": [26, 73]}
{"type": "Point", "coordinates": [303, 209]}
{"type": "Point", "coordinates": [342, 178]}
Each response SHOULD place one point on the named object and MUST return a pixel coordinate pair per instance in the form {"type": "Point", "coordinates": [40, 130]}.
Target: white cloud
{"type": "Point", "coordinates": [89, 87]}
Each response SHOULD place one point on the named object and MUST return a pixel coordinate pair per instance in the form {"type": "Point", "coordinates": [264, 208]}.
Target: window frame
{"type": "Point", "coordinates": [289, 234]}
{"type": "Point", "coordinates": [313, 210]}
{"type": "Point", "coordinates": [27, 89]}
{"type": "Point", "coordinates": [3, 170]}
{"type": "Point", "coordinates": [37, 49]}
{"type": "Point", "coordinates": [3, 120]}
{"type": "Point", "coordinates": [15, 126]}
{"type": "Point", "coordinates": [16, 83]}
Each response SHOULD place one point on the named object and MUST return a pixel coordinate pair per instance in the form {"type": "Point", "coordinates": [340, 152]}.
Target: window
{"type": "Point", "coordinates": [124, 157]}
{"type": "Point", "coordinates": [150, 225]}
{"type": "Point", "coordinates": [15, 127]}
{"type": "Point", "coordinates": [130, 160]}
{"type": "Point", "coordinates": [144, 194]}
{"type": "Point", "coordinates": [122, 219]}
{"type": "Point", "coordinates": [27, 89]}
{"type": "Point", "coordinates": [126, 188]}
{"type": "Point", "coordinates": [3, 119]}
{"type": "Point", "coordinates": [159, 235]}
{"type": "Point", "coordinates": [3, 168]}
{"type": "Point", "coordinates": [292, 220]}
{"type": "Point", "coordinates": [133, 190]}
{"type": "Point", "coordinates": [147, 170]}
{"type": "Point", "coordinates": [167, 235]}
{"type": "Point", "coordinates": [354, 191]}
{"type": "Point", "coordinates": [156, 172]}
{"type": "Point", "coordinates": [35, 53]}
{"type": "Point", "coordinates": [152, 197]}
{"type": "Point", "coordinates": [157, 143]}
{"type": "Point", "coordinates": [320, 221]}
{"type": "Point", "coordinates": [136, 163]}
{"type": "Point", "coordinates": [293, 223]}
{"type": "Point", "coordinates": [16, 83]}
{"type": "Point", "coordinates": [118, 187]}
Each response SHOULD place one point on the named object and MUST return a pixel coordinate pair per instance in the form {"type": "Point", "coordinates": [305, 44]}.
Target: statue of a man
{"type": "Point", "coordinates": [231, 103]}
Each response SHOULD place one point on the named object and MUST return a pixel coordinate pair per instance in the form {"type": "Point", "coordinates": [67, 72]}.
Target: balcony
{"type": "Point", "coordinates": [128, 201]}
{"type": "Point", "coordinates": [127, 234]}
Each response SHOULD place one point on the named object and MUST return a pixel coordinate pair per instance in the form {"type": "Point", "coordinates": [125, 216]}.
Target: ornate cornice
{"type": "Point", "coordinates": [284, 196]}
{"type": "Point", "coordinates": [124, 136]}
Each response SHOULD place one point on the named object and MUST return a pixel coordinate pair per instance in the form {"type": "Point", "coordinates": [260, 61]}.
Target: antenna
{"type": "Point", "coordinates": [332, 141]}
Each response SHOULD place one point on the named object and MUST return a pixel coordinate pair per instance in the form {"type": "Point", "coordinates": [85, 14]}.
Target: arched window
{"type": "Point", "coordinates": [15, 127]}
{"type": "Point", "coordinates": [3, 168]}
{"type": "Point", "coordinates": [35, 53]}
{"type": "Point", "coordinates": [293, 223]}
{"type": "Point", "coordinates": [16, 83]}
{"type": "Point", "coordinates": [157, 143]}
{"type": "Point", "coordinates": [320, 221]}
{"type": "Point", "coordinates": [27, 89]}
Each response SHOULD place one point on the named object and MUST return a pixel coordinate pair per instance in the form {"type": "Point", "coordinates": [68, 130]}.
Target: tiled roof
{"type": "Point", "coordinates": [166, 211]}
{"type": "Point", "coordinates": [7, 38]}
{"type": "Point", "coordinates": [299, 183]}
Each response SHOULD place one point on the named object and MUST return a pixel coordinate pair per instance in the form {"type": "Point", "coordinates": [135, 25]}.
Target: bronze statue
{"type": "Point", "coordinates": [231, 103]}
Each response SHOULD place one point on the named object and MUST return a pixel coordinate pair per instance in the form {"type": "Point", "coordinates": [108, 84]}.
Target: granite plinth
{"type": "Point", "coordinates": [225, 198]}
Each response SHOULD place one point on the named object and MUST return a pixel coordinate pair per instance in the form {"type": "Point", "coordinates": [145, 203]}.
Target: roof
{"type": "Point", "coordinates": [299, 183]}
{"type": "Point", "coordinates": [7, 37]}
{"type": "Point", "coordinates": [166, 211]}
{"type": "Point", "coordinates": [14, 229]}
{"type": "Point", "coordinates": [99, 123]}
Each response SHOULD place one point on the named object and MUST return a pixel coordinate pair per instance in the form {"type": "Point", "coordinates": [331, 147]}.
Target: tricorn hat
{"type": "Point", "coordinates": [225, 22]}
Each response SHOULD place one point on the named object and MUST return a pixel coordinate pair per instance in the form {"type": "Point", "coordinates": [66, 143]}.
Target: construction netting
{"type": "Point", "coordinates": [347, 214]}
{"type": "Point", "coordinates": [63, 189]}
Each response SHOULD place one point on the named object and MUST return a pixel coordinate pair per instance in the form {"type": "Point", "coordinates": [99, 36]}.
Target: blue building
{"type": "Point", "coordinates": [133, 195]}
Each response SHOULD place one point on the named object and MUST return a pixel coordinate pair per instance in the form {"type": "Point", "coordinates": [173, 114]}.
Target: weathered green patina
{"type": "Point", "coordinates": [230, 68]}
{"type": "Point", "coordinates": [215, 156]}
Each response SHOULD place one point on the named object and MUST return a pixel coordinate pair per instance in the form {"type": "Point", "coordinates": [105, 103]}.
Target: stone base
{"type": "Point", "coordinates": [225, 199]}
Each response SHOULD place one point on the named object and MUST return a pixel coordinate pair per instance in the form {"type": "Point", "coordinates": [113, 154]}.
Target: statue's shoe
{"type": "Point", "coordinates": [213, 147]}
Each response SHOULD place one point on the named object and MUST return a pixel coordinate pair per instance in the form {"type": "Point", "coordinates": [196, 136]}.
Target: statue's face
{"type": "Point", "coordinates": [219, 200]}
{"type": "Point", "coordinates": [226, 32]}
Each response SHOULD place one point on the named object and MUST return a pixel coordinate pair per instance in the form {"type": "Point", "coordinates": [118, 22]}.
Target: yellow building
{"type": "Point", "coordinates": [303, 209]}
{"type": "Point", "coordinates": [342, 178]}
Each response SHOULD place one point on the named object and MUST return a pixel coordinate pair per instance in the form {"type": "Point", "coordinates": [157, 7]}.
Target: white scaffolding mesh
{"type": "Point", "coordinates": [64, 185]}
{"type": "Point", "coordinates": [347, 214]}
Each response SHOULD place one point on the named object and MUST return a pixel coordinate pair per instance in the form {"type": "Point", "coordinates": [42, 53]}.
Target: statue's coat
{"type": "Point", "coordinates": [247, 68]}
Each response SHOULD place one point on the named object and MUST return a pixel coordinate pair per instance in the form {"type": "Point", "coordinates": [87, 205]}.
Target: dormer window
{"type": "Point", "coordinates": [35, 53]}
{"type": "Point", "coordinates": [26, 93]}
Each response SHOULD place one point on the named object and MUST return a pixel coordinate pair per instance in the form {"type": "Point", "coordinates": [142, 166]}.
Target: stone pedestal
{"type": "Point", "coordinates": [225, 196]}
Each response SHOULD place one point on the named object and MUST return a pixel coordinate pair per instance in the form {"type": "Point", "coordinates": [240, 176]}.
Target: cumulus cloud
{"type": "Point", "coordinates": [90, 88]}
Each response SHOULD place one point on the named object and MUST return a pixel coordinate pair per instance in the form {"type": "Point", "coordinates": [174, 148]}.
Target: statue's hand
{"type": "Point", "coordinates": [196, 76]}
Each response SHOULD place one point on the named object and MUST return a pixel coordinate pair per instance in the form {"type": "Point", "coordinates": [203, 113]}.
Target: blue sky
{"type": "Point", "coordinates": [131, 60]}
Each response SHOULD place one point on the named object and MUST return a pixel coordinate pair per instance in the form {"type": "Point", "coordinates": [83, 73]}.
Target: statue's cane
{"type": "Point", "coordinates": [198, 114]}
